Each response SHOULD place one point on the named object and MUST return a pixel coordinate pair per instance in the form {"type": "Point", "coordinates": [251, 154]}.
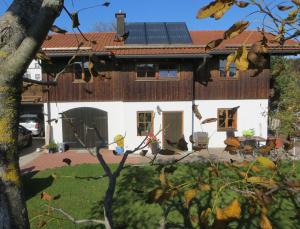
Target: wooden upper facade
{"type": "Point", "coordinates": [118, 81]}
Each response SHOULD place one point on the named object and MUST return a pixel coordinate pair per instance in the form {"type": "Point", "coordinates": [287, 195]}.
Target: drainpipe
{"type": "Point", "coordinates": [197, 72]}
{"type": "Point", "coordinates": [48, 131]}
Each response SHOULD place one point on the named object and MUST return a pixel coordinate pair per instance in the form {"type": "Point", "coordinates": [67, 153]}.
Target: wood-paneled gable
{"type": "Point", "coordinates": [124, 86]}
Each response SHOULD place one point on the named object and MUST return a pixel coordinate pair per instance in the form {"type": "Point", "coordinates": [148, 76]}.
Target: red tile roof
{"type": "Point", "coordinates": [104, 42]}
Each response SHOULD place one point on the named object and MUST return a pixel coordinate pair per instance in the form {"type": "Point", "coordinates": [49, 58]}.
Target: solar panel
{"type": "Point", "coordinates": [178, 33]}
{"type": "Point", "coordinates": [158, 33]}
{"type": "Point", "coordinates": [137, 33]}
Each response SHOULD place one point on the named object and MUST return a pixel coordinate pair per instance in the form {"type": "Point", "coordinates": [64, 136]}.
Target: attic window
{"type": "Point", "coordinates": [81, 72]}
{"type": "Point", "coordinates": [145, 70]}
{"type": "Point", "coordinates": [167, 71]}
{"type": "Point", "coordinates": [231, 74]}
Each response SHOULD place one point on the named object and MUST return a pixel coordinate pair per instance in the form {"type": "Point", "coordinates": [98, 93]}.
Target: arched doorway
{"type": "Point", "coordinates": [89, 124]}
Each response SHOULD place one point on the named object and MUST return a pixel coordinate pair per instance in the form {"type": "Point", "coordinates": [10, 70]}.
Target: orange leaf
{"type": "Point", "coordinates": [232, 141]}
{"type": "Point", "coordinates": [255, 169]}
{"type": "Point", "coordinates": [213, 44]}
{"type": "Point", "coordinates": [242, 4]}
{"type": "Point", "coordinates": [233, 211]}
{"type": "Point", "coordinates": [189, 195]}
{"type": "Point", "coordinates": [196, 111]}
{"type": "Point", "coordinates": [297, 2]}
{"type": "Point", "coordinates": [75, 20]}
{"type": "Point", "coordinates": [219, 14]}
{"type": "Point", "coordinates": [209, 120]}
{"type": "Point", "coordinates": [264, 222]}
{"type": "Point", "coordinates": [41, 223]}
{"type": "Point", "coordinates": [284, 8]}
{"type": "Point", "coordinates": [56, 29]}
{"type": "Point", "coordinates": [164, 180]}
{"type": "Point", "coordinates": [263, 181]}
{"type": "Point", "coordinates": [46, 196]}
{"type": "Point", "coordinates": [241, 61]}
{"type": "Point", "coordinates": [210, 9]}
{"type": "Point", "coordinates": [236, 29]}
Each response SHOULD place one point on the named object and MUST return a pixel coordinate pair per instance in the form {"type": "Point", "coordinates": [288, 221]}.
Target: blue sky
{"type": "Point", "coordinates": [147, 11]}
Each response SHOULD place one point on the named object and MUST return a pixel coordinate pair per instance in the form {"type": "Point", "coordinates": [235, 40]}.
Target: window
{"type": "Point", "coordinates": [231, 74]}
{"type": "Point", "coordinates": [81, 72]}
{"type": "Point", "coordinates": [227, 119]}
{"type": "Point", "coordinates": [155, 71]}
{"type": "Point", "coordinates": [167, 71]}
{"type": "Point", "coordinates": [145, 70]}
{"type": "Point", "coordinates": [144, 123]}
{"type": "Point", "coordinates": [37, 77]}
{"type": "Point", "coordinates": [27, 75]}
{"type": "Point", "coordinates": [37, 66]}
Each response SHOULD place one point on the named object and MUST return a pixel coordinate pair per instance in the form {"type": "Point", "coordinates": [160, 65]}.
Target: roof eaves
{"type": "Point", "coordinates": [156, 56]}
{"type": "Point", "coordinates": [158, 46]}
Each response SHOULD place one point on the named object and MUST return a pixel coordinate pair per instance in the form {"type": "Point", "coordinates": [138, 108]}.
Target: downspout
{"type": "Point", "coordinates": [197, 72]}
{"type": "Point", "coordinates": [48, 133]}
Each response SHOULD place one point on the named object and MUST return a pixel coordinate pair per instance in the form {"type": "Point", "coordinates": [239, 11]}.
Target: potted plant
{"type": "Point", "coordinates": [248, 133]}
{"type": "Point", "coordinates": [52, 147]}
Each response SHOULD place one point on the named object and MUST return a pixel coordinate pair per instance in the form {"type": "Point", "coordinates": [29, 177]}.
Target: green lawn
{"type": "Point", "coordinates": [82, 197]}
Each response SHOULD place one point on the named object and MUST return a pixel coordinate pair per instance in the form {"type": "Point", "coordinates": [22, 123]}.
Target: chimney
{"type": "Point", "coordinates": [120, 16]}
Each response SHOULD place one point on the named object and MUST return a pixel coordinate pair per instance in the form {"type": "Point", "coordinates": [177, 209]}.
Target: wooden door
{"type": "Point", "coordinates": [90, 126]}
{"type": "Point", "coordinates": [172, 127]}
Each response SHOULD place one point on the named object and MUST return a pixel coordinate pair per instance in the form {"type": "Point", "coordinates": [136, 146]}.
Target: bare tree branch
{"type": "Point", "coordinates": [76, 221]}
{"type": "Point", "coordinates": [45, 83]}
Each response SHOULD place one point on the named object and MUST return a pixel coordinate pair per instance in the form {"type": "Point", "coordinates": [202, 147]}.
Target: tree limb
{"type": "Point", "coordinates": [75, 221]}
{"type": "Point", "coordinates": [45, 83]}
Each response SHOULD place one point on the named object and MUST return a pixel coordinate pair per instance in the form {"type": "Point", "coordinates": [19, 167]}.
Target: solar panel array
{"type": "Point", "coordinates": [157, 33]}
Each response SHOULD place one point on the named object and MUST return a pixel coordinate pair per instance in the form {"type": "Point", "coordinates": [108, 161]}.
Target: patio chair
{"type": "Point", "coordinates": [200, 140]}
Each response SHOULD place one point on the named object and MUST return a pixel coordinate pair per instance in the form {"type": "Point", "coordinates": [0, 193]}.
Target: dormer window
{"type": "Point", "coordinates": [231, 74]}
{"type": "Point", "coordinates": [81, 71]}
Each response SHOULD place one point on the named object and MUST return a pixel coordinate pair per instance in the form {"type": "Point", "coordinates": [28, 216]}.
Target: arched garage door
{"type": "Point", "coordinates": [89, 124]}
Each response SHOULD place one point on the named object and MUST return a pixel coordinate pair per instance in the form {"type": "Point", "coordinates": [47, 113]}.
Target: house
{"type": "Point", "coordinates": [32, 96]}
{"type": "Point", "coordinates": [150, 82]}
{"type": "Point", "coordinates": [34, 71]}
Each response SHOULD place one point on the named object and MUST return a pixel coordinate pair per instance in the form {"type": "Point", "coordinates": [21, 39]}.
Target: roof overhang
{"type": "Point", "coordinates": [159, 56]}
{"type": "Point", "coordinates": [69, 53]}
{"type": "Point", "coordinates": [270, 52]}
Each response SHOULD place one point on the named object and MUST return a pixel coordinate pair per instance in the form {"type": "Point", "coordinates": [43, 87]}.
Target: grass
{"type": "Point", "coordinates": [82, 198]}
{"type": "Point", "coordinates": [78, 196]}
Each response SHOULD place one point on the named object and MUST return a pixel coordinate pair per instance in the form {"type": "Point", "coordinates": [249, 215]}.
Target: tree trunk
{"type": "Point", "coordinates": [108, 201]}
{"type": "Point", "coordinates": [12, 198]}
{"type": "Point", "coordinates": [23, 29]}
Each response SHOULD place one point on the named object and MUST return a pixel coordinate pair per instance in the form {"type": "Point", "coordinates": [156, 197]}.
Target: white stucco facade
{"type": "Point", "coordinates": [252, 114]}
{"type": "Point", "coordinates": [122, 118]}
